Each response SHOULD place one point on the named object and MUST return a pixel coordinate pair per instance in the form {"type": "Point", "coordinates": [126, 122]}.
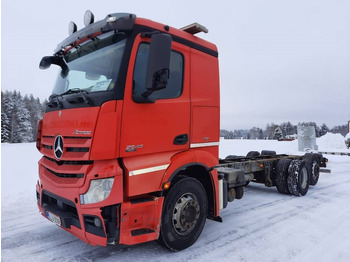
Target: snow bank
{"type": "Point", "coordinates": [331, 141]}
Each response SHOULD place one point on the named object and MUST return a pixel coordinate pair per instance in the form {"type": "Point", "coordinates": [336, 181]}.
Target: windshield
{"type": "Point", "coordinates": [94, 66]}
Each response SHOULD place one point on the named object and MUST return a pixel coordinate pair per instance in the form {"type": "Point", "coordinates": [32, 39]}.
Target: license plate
{"type": "Point", "coordinates": [53, 218]}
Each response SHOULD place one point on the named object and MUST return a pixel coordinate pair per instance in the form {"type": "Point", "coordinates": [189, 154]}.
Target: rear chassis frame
{"type": "Point", "coordinates": [262, 168]}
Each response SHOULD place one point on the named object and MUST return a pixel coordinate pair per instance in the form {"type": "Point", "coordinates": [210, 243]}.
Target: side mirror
{"type": "Point", "coordinates": [47, 61]}
{"type": "Point", "coordinates": [158, 63]}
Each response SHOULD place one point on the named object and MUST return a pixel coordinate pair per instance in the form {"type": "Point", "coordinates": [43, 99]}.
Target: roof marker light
{"type": "Point", "coordinates": [88, 18]}
{"type": "Point", "coordinates": [72, 28]}
{"type": "Point", "coordinates": [111, 19]}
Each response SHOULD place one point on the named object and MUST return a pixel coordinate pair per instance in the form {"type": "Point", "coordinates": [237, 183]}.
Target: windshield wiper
{"type": "Point", "coordinates": [77, 91]}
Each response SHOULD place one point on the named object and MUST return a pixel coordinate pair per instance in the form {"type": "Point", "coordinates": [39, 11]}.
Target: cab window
{"type": "Point", "coordinates": [175, 82]}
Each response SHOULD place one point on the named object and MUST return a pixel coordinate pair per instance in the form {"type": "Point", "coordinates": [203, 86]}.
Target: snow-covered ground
{"type": "Point", "coordinates": [263, 226]}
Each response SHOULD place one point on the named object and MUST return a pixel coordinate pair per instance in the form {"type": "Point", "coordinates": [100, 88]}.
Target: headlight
{"type": "Point", "coordinates": [98, 191]}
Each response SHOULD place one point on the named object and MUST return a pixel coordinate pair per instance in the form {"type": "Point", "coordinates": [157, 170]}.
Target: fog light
{"type": "Point", "coordinates": [97, 222]}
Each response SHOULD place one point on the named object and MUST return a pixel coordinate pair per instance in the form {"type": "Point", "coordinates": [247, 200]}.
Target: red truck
{"type": "Point", "coordinates": [130, 137]}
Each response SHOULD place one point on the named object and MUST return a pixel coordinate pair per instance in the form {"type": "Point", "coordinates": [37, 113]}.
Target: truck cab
{"type": "Point", "coordinates": [131, 133]}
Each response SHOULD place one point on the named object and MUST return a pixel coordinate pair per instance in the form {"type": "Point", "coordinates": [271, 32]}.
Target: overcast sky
{"type": "Point", "coordinates": [279, 60]}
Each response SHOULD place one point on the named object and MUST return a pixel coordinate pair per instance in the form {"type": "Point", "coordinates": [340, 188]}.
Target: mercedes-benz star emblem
{"type": "Point", "coordinates": [58, 147]}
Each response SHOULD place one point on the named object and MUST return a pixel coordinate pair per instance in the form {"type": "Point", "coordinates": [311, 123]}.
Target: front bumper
{"type": "Point", "coordinates": [95, 226]}
{"type": "Point", "coordinates": [58, 200]}
{"type": "Point", "coordinates": [115, 220]}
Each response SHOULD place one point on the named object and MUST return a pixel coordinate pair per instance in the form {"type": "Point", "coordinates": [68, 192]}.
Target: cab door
{"type": "Point", "coordinates": [154, 131]}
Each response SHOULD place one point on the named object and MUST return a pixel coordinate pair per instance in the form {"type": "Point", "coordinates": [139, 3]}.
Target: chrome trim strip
{"type": "Point", "coordinates": [204, 144]}
{"type": "Point", "coordinates": [148, 170]}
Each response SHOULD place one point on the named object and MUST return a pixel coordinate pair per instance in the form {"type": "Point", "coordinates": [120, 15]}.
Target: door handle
{"type": "Point", "coordinates": [181, 139]}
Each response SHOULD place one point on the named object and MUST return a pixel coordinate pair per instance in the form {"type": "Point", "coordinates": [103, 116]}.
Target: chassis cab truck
{"type": "Point", "coordinates": [130, 137]}
{"type": "Point", "coordinates": [130, 133]}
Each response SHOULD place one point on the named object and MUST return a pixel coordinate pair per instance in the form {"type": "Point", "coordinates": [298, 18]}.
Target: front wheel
{"type": "Point", "coordinates": [184, 214]}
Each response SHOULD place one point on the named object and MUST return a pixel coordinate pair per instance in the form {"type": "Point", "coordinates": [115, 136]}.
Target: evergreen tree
{"type": "Point", "coordinates": [278, 133]}
{"type": "Point", "coordinates": [343, 129]}
{"type": "Point", "coordinates": [269, 131]}
{"type": "Point", "coordinates": [7, 107]}
{"type": "Point", "coordinates": [324, 129]}
{"type": "Point", "coordinates": [19, 117]}
{"type": "Point", "coordinates": [36, 112]}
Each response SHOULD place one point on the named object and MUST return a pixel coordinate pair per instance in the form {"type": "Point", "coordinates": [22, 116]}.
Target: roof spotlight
{"type": "Point", "coordinates": [88, 18]}
{"type": "Point", "coordinates": [72, 28]}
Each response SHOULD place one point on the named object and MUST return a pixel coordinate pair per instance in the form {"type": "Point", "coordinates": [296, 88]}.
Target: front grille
{"type": "Point", "coordinates": [74, 162]}
{"type": "Point", "coordinates": [68, 162]}
{"type": "Point", "coordinates": [77, 149]}
{"type": "Point", "coordinates": [74, 147]}
{"type": "Point", "coordinates": [65, 175]}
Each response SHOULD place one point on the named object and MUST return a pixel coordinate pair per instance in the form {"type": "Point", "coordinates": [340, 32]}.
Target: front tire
{"type": "Point", "coordinates": [184, 214]}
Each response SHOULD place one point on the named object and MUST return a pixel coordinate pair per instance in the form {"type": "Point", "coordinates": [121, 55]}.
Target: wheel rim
{"type": "Point", "coordinates": [315, 169]}
{"type": "Point", "coordinates": [186, 213]}
{"type": "Point", "coordinates": [304, 177]}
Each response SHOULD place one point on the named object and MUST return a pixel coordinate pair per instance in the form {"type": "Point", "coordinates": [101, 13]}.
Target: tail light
{"type": "Point", "coordinates": [38, 135]}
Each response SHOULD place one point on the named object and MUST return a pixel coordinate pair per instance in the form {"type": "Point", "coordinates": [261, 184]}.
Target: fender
{"type": "Point", "coordinates": [191, 159]}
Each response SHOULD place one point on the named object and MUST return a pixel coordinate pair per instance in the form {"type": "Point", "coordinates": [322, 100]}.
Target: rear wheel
{"type": "Point", "coordinates": [230, 157]}
{"type": "Point", "coordinates": [253, 153]}
{"type": "Point", "coordinates": [282, 175]}
{"type": "Point", "coordinates": [268, 153]}
{"type": "Point", "coordinates": [298, 178]}
{"type": "Point", "coordinates": [184, 214]}
{"type": "Point", "coordinates": [314, 166]}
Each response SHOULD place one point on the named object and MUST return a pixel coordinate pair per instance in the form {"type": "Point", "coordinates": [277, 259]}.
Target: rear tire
{"type": "Point", "coordinates": [184, 214]}
{"type": "Point", "coordinates": [231, 157]}
{"type": "Point", "coordinates": [282, 175]}
{"type": "Point", "coordinates": [239, 192]}
{"type": "Point", "coordinates": [268, 153]}
{"type": "Point", "coordinates": [253, 153]}
{"type": "Point", "coordinates": [298, 178]}
{"type": "Point", "coordinates": [314, 166]}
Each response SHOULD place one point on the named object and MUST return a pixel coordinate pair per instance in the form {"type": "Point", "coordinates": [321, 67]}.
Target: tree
{"type": "Point", "coordinates": [278, 133]}
{"type": "Point", "coordinates": [256, 133]}
{"type": "Point", "coordinates": [324, 129]}
{"type": "Point", "coordinates": [269, 131]}
{"type": "Point", "coordinates": [5, 118]}
{"type": "Point", "coordinates": [22, 127]}
{"type": "Point", "coordinates": [7, 109]}
{"type": "Point", "coordinates": [36, 112]}
{"type": "Point", "coordinates": [343, 129]}
{"type": "Point", "coordinates": [288, 129]}
{"type": "Point", "coordinates": [19, 117]}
